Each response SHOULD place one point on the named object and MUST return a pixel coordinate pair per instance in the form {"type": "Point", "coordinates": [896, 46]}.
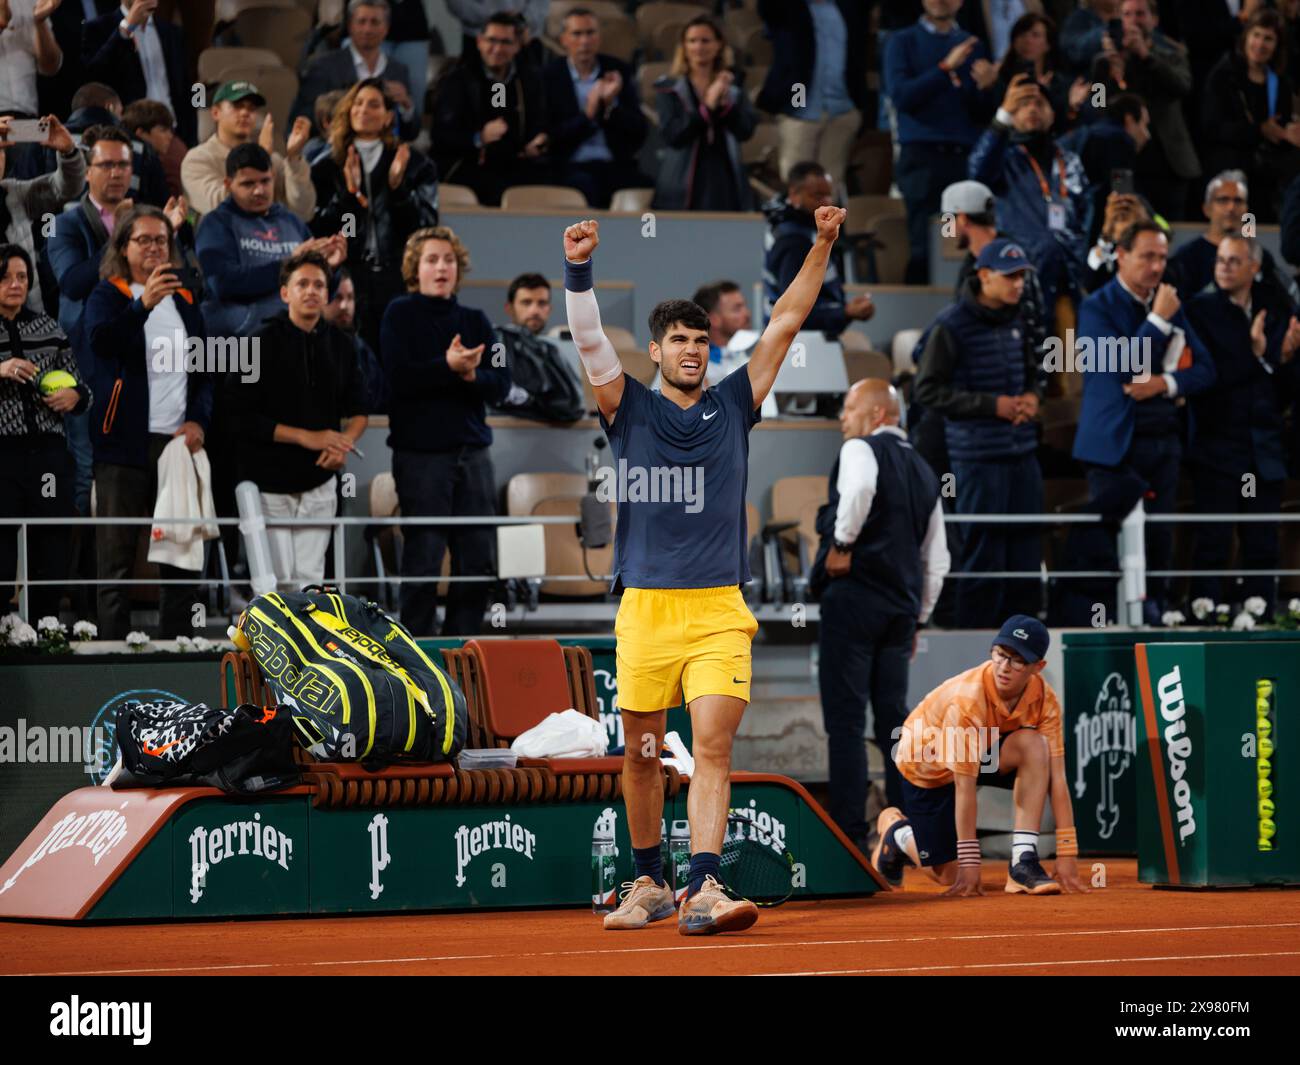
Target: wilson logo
{"type": "Point", "coordinates": [1178, 749]}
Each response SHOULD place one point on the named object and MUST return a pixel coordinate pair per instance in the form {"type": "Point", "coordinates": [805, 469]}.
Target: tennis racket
{"type": "Point", "coordinates": [755, 866]}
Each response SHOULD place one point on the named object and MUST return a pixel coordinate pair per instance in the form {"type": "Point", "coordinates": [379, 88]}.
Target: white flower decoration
{"type": "Point", "coordinates": [23, 635]}
{"type": "Point", "coordinates": [202, 643]}
{"type": "Point", "coordinates": [8, 623]}
{"type": "Point", "coordinates": [1202, 608]}
{"type": "Point", "coordinates": [1243, 622]}
{"type": "Point", "coordinates": [1172, 618]}
{"type": "Point", "coordinates": [1255, 605]}
{"type": "Point", "coordinates": [51, 624]}
{"type": "Point", "coordinates": [85, 630]}
{"type": "Point", "coordinates": [137, 640]}
{"type": "Point", "coordinates": [1294, 606]}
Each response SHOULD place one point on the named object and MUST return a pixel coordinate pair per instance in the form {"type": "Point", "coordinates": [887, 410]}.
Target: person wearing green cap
{"type": "Point", "coordinates": [235, 109]}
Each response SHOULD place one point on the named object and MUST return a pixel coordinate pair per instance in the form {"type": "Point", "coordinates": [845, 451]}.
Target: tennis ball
{"type": "Point", "coordinates": [55, 380]}
{"type": "Point", "coordinates": [1263, 766]}
{"type": "Point", "coordinates": [1265, 787]}
{"type": "Point", "coordinates": [1265, 747]}
{"type": "Point", "coordinates": [1263, 726]}
{"type": "Point", "coordinates": [1267, 830]}
{"type": "Point", "coordinates": [1265, 844]}
{"type": "Point", "coordinates": [1265, 809]}
{"type": "Point", "coordinates": [1264, 688]}
{"type": "Point", "coordinates": [1261, 707]}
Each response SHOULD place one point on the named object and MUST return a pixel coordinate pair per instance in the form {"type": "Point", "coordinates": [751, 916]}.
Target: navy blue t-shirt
{"type": "Point", "coordinates": [679, 477]}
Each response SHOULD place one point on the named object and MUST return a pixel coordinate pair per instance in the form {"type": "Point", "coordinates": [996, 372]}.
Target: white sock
{"type": "Point", "coordinates": [1022, 842]}
{"type": "Point", "coordinates": [903, 839]}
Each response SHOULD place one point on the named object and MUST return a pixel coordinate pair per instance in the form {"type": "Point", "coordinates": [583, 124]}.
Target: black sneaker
{"type": "Point", "coordinates": [887, 856]}
{"type": "Point", "coordinates": [1028, 877]}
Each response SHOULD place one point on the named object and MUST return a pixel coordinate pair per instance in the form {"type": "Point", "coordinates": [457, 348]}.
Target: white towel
{"type": "Point", "coordinates": [567, 734]}
{"type": "Point", "coordinates": [184, 491]}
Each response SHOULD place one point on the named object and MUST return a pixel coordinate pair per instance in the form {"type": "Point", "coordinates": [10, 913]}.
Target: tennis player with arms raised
{"type": "Point", "coordinates": [681, 558]}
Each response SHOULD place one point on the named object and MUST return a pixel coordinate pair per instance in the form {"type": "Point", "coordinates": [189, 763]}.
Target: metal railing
{"type": "Point", "coordinates": [1131, 577]}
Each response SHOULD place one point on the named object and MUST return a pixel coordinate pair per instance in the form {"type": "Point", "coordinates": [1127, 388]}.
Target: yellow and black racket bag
{"type": "Point", "coordinates": [356, 684]}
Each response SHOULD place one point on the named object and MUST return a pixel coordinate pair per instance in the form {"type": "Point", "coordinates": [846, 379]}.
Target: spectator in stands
{"type": "Point", "coordinates": [703, 119]}
{"type": "Point", "coordinates": [35, 471]}
{"type": "Point", "coordinates": [235, 107]}
{"type": "Point", "coordinates": [483, 139]}
{"type": "Point", "coordinates": [96, 104]}
{"type": "Point", "coordinates": [1112, 142]}
{"type": "Point", "coordinates": [362, 60]}
{"type": "Point", "coordinates": [27, 48]}
{"type": "Point", "coordinates": [438, 432]}
{"type": "Point", "coordinates": [1033, 51]}
{"type": "Point", "coordinates": [939, 77]}
{"type": "Point", "coordinates": [1211, 29]}
{"type": "Point", "coordinates": [142, 56]}
{"type": "Point", "coordinates": [817, 46]}
{"type": "Point", "coordinates": [1227, 206]}
{"type": "Point", "coordinates": [1237, 453]}
{"type": "Point", "coordinates": [1128, 434]}
{"type": "Point", "coordinates": [474, 15]}
{"type": "Point", "coordinates": [593, 114]}
{"type": "Point", "coordinates": [152, 128]}
{"type": "Point", "coordinates": [65, 23]}
{"type": "Point", "coordinates": [341, 312]}
{"type": "Point", "coordinates": [409, 41]}
{"type": "Point", "coordinates": [724, 303]}
{"type": "Point", "coordinates": [878, 573]}
{"type": "Point", "coordinates": [244, 242]}
{"type": "Point", "coordinates": [1248, 114]}
{"type": "Point", "coordinates": [23, 203]}
{"type": "Point", "coordinates": [319, 145]}
{"type": "Point", "coordinates": [1093, 29]}
{"type": "Point", "coordinates": [380, 190]}
{"type": "Point", "coordinates": [792, 228]}
{"type": "Point", "coordinates": [1042, 194]}
{"type": "Point", "coordinates": [980, 372]}
{"type": "Point", "coordinates": [1157, 68]}
{"type": "Point", "coordinates": [543, 385]}
{"type": "Point", "coordinates": [289, 438]}
{"type": "Point", "coordinates": [1122, 210]}
{"type": "Point", "coordinates": [138, 313]}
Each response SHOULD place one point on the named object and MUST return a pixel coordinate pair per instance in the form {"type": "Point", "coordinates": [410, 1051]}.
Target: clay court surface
{"type": "Point", "coordinates": [1125, 929]}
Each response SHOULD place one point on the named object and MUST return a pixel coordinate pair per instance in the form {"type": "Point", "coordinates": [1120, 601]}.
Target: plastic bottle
{"type": "Point", "coordinates": [604, 877]}
{"type": "Point", "coordinates": [665, 855]}
{"type": "Point", "coordinates": [679, 853]}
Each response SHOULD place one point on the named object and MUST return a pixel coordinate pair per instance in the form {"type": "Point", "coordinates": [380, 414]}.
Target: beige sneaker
{"type": "Point", "coordinates": [641, 902]}
{"type": "Point", "coordinates": [709, 911]}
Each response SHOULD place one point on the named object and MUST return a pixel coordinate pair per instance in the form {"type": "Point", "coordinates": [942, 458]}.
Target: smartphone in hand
{"type": "Point", "coordinates": [1121, 183]}
{"type": "Point", "coordinates": [28, 131]}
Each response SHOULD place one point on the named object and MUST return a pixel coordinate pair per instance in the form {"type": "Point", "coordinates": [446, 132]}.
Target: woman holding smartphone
{"type": "Point", "coordinates": [1033, 51]}
{"type": "Point", "coordinates": [138, 321]}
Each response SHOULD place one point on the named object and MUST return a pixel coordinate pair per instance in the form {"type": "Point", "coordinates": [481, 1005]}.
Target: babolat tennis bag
{"type": "Point", "coordinates": [356, 685]}
{"type": "Point", "coordinates": [246, 750]}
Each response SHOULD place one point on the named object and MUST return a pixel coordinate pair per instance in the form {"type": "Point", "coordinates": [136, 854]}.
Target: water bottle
{"type": "Point", "coordinates": [665, 856]}
{"type": "Point", "coordinates": [604, 876]}
{"type": "Point", "coordinates": [679, 853]}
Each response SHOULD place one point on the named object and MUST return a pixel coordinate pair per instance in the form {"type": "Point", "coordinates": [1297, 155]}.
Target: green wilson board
{"type": "Point", "coordinates": [1198, 790]}
{"type": "Point", "coordinates": [1101, 709]}
{"type": "Point", "coordinates": [281, 855]}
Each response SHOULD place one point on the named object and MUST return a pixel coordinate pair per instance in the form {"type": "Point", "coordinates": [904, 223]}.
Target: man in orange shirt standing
{"type": "Point", "coordinates": [997, 724]}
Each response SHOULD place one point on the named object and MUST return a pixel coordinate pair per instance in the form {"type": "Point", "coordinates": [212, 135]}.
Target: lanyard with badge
{"type": "Point", "coordinates": [1055, 211]}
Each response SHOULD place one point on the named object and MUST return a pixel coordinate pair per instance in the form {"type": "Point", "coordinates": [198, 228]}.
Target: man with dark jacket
{"type": "Point", "coordinates": [543, 385]}
{"type": "Point", "coordinates": [482, 138]}
{"type": "Point", "coordinates": [298, 421]}
{"type": "Point", "coordinates": [817, 45]}
{"type": "Point", "coordinates": [792, 229]}
{"type": "Point", "coordinates": [1041, 188]}
{"type": "Point", "coordinates": [1237, 453]}
{"type": "Point", "coordinates": [979, 371]}
{"type": "Point", "coordinates": [594, 122]}
{"type": "Point", "coordinates": [1143, 354]}
{"type": "Point", "coordinates": [142, 57]}
{"type": "Point", "coordinates": [878, 573]}
{"type": "Point", "coordinates": [1111, 143]}
{"type": "Point", "coordinates": [937, 75]}
{"type": "Point", "coordinates": [96, 104]}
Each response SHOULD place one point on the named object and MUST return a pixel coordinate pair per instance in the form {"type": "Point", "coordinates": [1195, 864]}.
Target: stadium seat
{"type": "Point", "coordinates": [646, 77]}
{"type": "Point", "coordinates": [618, 37]}
{"type": "Point", "coordinates": [649, 17]}
{"type": "Point", "coordinates": [665, 38]}
{"type": "Point", "coordinates": [621, 338]}
{"type": "Point", "coordinates": [792, 533]}
{"type": "Point", "coordinates": [531, 494]}
{"type": "Point", "coordinates": [738, 23]}
{"type": "Point", "coordinates": [637, 363]}
{"type": "Point", "coordinates": [757, 47]}
{"type": "Point", "coordinates": [637, 201]}
{"type": "Point", "coordinates": [214, 62]}
{"type": "Point", "coordinates": [542, 197]}
{"type": "Point", "coordinates": [457, 196]}
{"type": "Point", "coordinates": [385, 540]}
{"type": "Point", "coordinates": [605, 10]}
{"type": "Point", "coordinates": [872, 159]}
{"type": "Point", "coordinates": [891, 247]}
{"type": "Point", "coordinates": [755, 75]}
{"type": "Point", "coordinates": [901, 348]}
{"type": "Point", "coordinates": [283, 29]}
{"type": "Point", "coordinates": [862, 365]}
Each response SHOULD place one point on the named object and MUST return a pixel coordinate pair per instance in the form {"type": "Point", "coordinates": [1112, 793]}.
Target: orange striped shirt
{"type": "Point", "coordinates": [955, 726]}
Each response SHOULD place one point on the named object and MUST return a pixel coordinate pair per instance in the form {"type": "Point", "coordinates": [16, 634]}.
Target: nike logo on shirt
{"type": "Point", "coordinates": [706, 417]}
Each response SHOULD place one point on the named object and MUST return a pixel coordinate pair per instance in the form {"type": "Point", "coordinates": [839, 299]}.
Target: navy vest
{"type": "Point", "coordinates": [887, 553]}
{"type": "Point", "coordinates": [992, 360]}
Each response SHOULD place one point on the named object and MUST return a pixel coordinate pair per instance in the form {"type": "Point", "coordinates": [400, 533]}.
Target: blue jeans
{"type": "Point", "coordinates": [864, 658]}
{"type": "Point", "coordinates": [998, 486]}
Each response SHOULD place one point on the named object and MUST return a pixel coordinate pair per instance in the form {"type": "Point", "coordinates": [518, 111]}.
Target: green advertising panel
{"type": "Point", "coordinates": [1100, 709]}
{"type": "Point", "coordinates": [1216, 799]}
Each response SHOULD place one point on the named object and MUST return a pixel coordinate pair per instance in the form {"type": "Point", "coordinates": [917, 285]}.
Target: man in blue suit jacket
{"type": "Point", "coordinates": [1137, 354]}
{"type": "Point", "coordinates": [120, 49]}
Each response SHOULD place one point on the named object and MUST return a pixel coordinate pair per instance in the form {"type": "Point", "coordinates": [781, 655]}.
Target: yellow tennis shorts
{"type": "Point", "coordinates": [672, 641]}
